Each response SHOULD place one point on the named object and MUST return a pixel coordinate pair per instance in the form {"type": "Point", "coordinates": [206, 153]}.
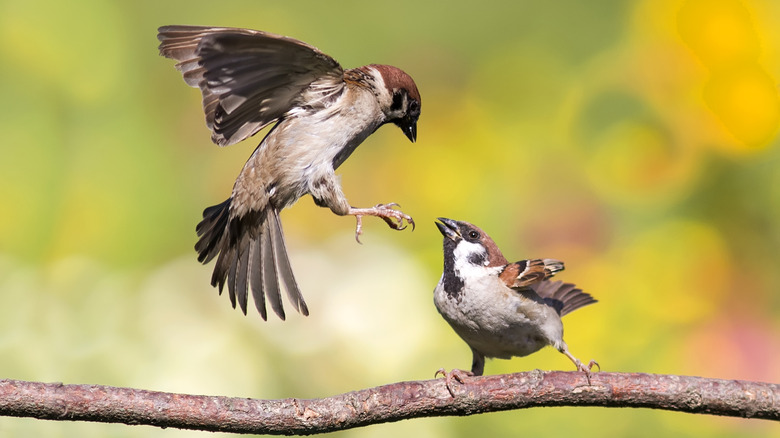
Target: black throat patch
{"type": "Point", "coordinates": [453, 284]}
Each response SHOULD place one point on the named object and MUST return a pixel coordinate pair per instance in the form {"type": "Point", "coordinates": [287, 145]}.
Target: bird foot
{"type": "Point", "coordinates": [455, 374]}
{"type": "Point", "coordinates": [587, 368]}
{"type": "Point", "coordinates": [394, 218]}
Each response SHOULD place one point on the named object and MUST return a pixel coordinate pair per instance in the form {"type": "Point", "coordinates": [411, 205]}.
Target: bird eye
{"type": "Point", "coordinates": [414, 109]}
{"type": "Point", "coordinates": [473, 234]}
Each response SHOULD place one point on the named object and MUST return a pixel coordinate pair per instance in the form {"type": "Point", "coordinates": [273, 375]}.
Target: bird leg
{"type": "Point", "coordinates": [580, 366]}
{"type": "Point", "coordinates": [394, 218]}
{"type": "Point", "coordinates": [455, 374]}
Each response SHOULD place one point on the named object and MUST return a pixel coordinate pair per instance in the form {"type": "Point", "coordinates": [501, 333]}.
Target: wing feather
{"type": "Point", "coordinates": [248, 78]}
{"type": "Point", "coordinates": [528, 272]}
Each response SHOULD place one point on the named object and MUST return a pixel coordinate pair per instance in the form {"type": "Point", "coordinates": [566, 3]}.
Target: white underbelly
{"type": "Point", "coordinates": [501, 324]}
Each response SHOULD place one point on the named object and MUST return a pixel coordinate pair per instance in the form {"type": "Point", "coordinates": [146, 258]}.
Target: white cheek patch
{"type": "Point", "coordinates": [379, 82]}
{"type": "Point", "coordinates": [469, 257]}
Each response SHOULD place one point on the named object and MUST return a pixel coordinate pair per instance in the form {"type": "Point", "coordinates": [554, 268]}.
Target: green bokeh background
{"type": "Point", "coordinates": [635, 140]}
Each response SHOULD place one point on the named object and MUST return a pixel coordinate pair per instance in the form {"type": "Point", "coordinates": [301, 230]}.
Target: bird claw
{"type": "Point", "coordinates": [393, 218]}
{"type": "Point", "coordinates": [587, 368]}
{"type": "Point", "coordinates": [455, 374]}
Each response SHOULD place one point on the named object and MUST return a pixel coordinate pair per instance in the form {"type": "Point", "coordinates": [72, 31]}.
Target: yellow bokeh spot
{"type": "Point", "coordinates": [718, 31]}
{"type": "Point", "coordinates": [638, 163]}
{"type": "Point", "coordinates": [82, 59]}
{"type": "Point", "coordinates": [679, 271]}
{"type": "Point", "coordinates": [739, 91]}
{"type": "Point", "coordinates": [745, 99]}
{"type": "Point", "coordinates": [89, 219]}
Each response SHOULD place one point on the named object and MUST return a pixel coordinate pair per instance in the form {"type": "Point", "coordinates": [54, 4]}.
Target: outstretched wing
{"type": "Point", "coordinates": [248, 78]}
{"type": "Point", "coordinates": [528, 272]}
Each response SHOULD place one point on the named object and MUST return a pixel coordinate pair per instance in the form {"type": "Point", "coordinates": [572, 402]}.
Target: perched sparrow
{"type": "Point", "coordinates": [501, 309]}
{"type": "Point", "coordinates": [250, 79]}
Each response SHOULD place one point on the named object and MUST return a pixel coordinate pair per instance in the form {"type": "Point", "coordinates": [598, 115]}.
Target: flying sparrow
{"type": "Point", "coordinates": [501, 309]}
{"type": "Point", "coordinates": [250, 79]}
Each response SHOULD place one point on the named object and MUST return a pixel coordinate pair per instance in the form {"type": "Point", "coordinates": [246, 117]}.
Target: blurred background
{"type": "Point", "coordinates": [635, 140]}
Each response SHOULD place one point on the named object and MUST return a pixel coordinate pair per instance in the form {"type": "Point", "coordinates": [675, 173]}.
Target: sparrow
{"type": "Point", "coordinates": [501, 309]}
{"type": "Point", "coordinates": [250, 79]}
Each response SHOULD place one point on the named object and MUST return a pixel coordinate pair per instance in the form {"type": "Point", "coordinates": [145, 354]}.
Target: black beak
{"type": "Point", "coordinates": [409, 127]}
{"type": "Point", "coordinates": [448, 228]}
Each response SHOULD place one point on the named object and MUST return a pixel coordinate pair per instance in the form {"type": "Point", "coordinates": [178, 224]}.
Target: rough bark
{"type": "Point", "coordinates": [394, 402]}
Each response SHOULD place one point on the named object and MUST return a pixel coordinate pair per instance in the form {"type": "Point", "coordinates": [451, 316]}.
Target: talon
{"type": "Point", "coordinates": [358, 228]}
{"type": "Point", "coordinates": [393, 218]}
{"type": "Point", "coordinates": [580, 366]}
{"type": "Point", "coordinates": [587, 368]}
{"type": "Point", "coordinates": [455, 374]}
{"type": "Point", "coordinates": [394, 223]}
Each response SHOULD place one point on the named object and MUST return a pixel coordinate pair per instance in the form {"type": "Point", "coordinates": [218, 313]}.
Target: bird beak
{"type": "Point", "coordinates": [448, 228]}
{"type": "Point", "coordinates": [411, 132]}
{"type": "Point", "coordinates": [409, 127]}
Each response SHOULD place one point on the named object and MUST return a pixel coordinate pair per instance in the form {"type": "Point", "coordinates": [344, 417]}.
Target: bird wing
{"type": "Point", "coordinates": [527, 272]}
{"type": "Point", "coordinates": [248, 78]}
{"type": "Point", "coordinates": [530, 279]}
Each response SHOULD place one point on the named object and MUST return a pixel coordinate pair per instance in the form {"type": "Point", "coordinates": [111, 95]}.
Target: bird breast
{"type": "Point", "coordinates": [308, 145]}
{"type": "Point", "coordinates": [497, 321]}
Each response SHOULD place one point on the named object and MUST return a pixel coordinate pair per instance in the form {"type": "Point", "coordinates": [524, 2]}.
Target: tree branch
{"type": "Point", "coordinates": [394, 402]}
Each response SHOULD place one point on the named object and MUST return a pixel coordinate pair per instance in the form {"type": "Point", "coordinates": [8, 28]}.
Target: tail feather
{"type": "Point", "coordinates": [563, 297]}
{"type": "Point", "coordinates": [241, 266]}
{"type": "Point", "coordinates": [282, 262]}
{"type": "Point", "coordinates": [256, 278]}
{"type": "Point", "coordinates": [230, 260]}
{"type": "Point", "coordinates": [222, 268]}
{"type": "Point", "coordinates": [211, 231]}
{"type": "Point", "coordinates": [268, 267]}
{"type": "Point", "coordinates": [251, 254]}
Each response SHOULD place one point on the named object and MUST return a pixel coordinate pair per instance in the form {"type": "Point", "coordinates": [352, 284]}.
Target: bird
{"type": "Point", "coordinates": [501, 309]}
{"type": "Point", "coordinates": [250, 79]}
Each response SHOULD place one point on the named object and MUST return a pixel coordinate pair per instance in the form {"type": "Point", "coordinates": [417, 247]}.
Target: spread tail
{"type": "Point", "coordinates": [563, 297]}
{"type": "Point", "coordinates": [251, 254]}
